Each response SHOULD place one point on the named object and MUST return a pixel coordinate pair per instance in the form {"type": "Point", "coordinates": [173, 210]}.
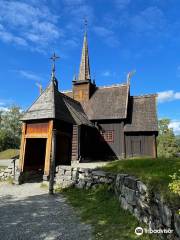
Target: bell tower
{"type": "Point", "coordinates": [83, 88]}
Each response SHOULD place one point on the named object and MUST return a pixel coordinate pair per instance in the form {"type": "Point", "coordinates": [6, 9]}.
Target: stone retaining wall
{"type": "Point", "coordinates": [7, 173]}
{"type": "Point", "coordinates": [132, 194]}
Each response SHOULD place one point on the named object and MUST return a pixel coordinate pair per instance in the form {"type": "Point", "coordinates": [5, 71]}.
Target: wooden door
{"type": "Point", "coordinates": [136, 147]}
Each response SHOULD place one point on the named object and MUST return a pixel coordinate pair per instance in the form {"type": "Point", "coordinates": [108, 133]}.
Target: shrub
{"type": "Point", "coordinates": [174, 186]}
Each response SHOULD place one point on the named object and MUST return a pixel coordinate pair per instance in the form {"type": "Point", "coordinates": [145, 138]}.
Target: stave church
{"type": "Point", "coordinates": [88, 123]}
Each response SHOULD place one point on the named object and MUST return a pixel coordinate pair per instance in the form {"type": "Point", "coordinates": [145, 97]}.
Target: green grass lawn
{"type": "Point", "coordinates": [154, 172]}
{"type": "Point", "coordinates": [102, 210]}
{"type": "Point", "coordinates": [9, 153]}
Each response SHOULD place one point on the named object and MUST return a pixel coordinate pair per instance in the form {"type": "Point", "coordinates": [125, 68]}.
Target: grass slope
{"type": "Point", "coordinates": [154, 172]}
{"type": "Point", "coordinates": [9, 153]}
{"type": "Point", "coordinates": [102, 210]}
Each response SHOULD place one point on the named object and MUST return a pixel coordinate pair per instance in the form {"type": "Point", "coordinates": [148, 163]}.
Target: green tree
{"type": "Point", "coordinates": [178, 142]}
{"type": "Point", "coordinates": [167, 145]}
{"type": "Point", "coordinates": [10, 128]}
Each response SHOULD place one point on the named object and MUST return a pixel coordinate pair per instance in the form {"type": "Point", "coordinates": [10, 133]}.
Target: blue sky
{"type": "Point", "coordinates": [123, 35]}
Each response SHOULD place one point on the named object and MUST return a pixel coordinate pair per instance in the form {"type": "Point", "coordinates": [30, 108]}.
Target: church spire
{"type": "Point", "coordinates": [84, 70]}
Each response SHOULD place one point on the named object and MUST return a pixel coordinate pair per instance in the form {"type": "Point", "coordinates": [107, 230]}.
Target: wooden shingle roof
{"type": "Point", "coordinates": [108, 103]}
{"type": "Point", "coordinates": [52, 104]}
{"type": "Point", "coordinates": [142, 114]}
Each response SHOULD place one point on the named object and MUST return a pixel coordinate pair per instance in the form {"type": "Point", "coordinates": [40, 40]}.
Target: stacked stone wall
{"type": "Point", "coordinates": [133, 195]}
{"type": "Point", "coordinates": [7, 173]}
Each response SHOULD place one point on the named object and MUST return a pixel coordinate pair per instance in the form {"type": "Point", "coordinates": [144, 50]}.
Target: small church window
{"type": "Point", "coordinates": [108, 136]}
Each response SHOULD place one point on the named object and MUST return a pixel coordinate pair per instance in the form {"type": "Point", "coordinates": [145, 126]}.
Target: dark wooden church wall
{"type": "Point", "coordinates": [103, 144]}
{"type": "Point", "coordinates": [87, 142]}
{"type": "Point", "coordinates": [75, 143]}
{"type": "Point", "coordinates": [140, 144]}
{"type": "Point", "coordinates": [117, 143]}
{"type": "Point", "coordinates": [63, 142]}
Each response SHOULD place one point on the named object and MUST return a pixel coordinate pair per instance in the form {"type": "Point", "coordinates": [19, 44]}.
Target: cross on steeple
{"type": "Point", "coordinates": [85, 24]}
{"type": "Point", "coordinates": [53, 58]}
{"type": "Point", "coordinates": [53, 78]}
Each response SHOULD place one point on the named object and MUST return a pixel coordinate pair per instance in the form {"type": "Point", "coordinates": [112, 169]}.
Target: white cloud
{"type": "Point", "coordinates": [167, 96]}
{"type": "Point", "coordinates": [1, 103]}
{"type": "Point", "coordinates": [10, 38]}
{"type": "Point", "coordinates": [175, 125]}
{"type": "Point", "coordinates": [108, 35]}
{"type": "Point", "coordinates": [4, 103]}
{"type": "Point", "coordinates": [76, 12]}
{"type": "Point", "coordinates": [102, 31]}
{"type": "Point", "coordinates": [150, 20]}
{"type": "Point", "coordinates": [106, 73]}
{"type": "Point", "coordinates": [73, 2]}
{"type": "Point", "coordinates": [4, 109]}
{"type": "Point", "coordinates": [28, 25]}
{"type": "Point", "coordinates": [122, 4]}
{"type": "Point", "coordinates": [29, 75]}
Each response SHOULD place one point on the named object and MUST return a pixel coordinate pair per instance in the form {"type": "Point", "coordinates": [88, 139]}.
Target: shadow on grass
{"type": "Point", "coordinates": [101, 209]}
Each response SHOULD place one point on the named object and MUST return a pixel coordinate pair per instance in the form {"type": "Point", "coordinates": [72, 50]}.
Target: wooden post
{"type": "Point", "coordinates": [22, 148]}
{"type": "Point", "coordinates": [74, 153]}
{"type": "Point", "coordinates": [79, 143]}
{"type": "Point", "coordinates": [122, 139]}
{"type": "Point", "coordinates": [48, 149]}
{"type": "Point", "coordinates": [154, 146]}
{"type": "Point", "coordinates": [52, 165]}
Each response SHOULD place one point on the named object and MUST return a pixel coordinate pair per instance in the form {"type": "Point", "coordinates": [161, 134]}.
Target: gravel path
{"type": "Point", "coordinates": [28, 212]}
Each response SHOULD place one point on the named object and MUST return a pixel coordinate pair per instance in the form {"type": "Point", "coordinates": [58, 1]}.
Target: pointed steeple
{"type": "Point", "coordinates": [83, 88]}
{"type": "Point", "coordinates": [84, 70]}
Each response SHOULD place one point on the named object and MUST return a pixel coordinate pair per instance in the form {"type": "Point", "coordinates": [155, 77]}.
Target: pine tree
{"type": "Point", "coordinates": [167, 145]}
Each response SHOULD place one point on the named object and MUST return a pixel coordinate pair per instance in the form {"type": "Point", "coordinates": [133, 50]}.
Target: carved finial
{"type": "Point", "coordinates": [53, 58]}
{"type": "Point", "coordinates": [74, 78]}
{"type": "Point", "coordinates": [39, 85]}
{"type": "Point", "coordinates": [129, 76]}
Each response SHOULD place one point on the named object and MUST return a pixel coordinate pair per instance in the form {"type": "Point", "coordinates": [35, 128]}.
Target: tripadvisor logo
{"type": "Point", "coordinates": [139, 231]}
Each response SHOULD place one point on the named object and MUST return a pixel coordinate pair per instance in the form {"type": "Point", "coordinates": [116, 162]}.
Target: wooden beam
{"type": "Point", "coordinates": [33, 135]}
{"type": "Point", "coordinates": [122, 140]}
{"type": "Point", "coordinates": [154, 146]}
{"type": "Point", "coordinates": [48, 149]}
{"type": "Point", "coordinates": [52, 163]}
{"type": "Point", "coordinates": [74, 153]}
{"type": "Point", "coordinates": [22, 148]}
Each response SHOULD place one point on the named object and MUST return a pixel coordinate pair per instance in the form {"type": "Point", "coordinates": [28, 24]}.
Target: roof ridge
{"type": "Point", "coordinates": [65, 91]}
{"type": "Point", "coordinates": [65, 96]}
{"type": "Point", "coordinates": [77, 115]}
{"type": "Point", "coordinates": [145, 95]}
{"type": "Point", "coordinates": [114, 85]}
